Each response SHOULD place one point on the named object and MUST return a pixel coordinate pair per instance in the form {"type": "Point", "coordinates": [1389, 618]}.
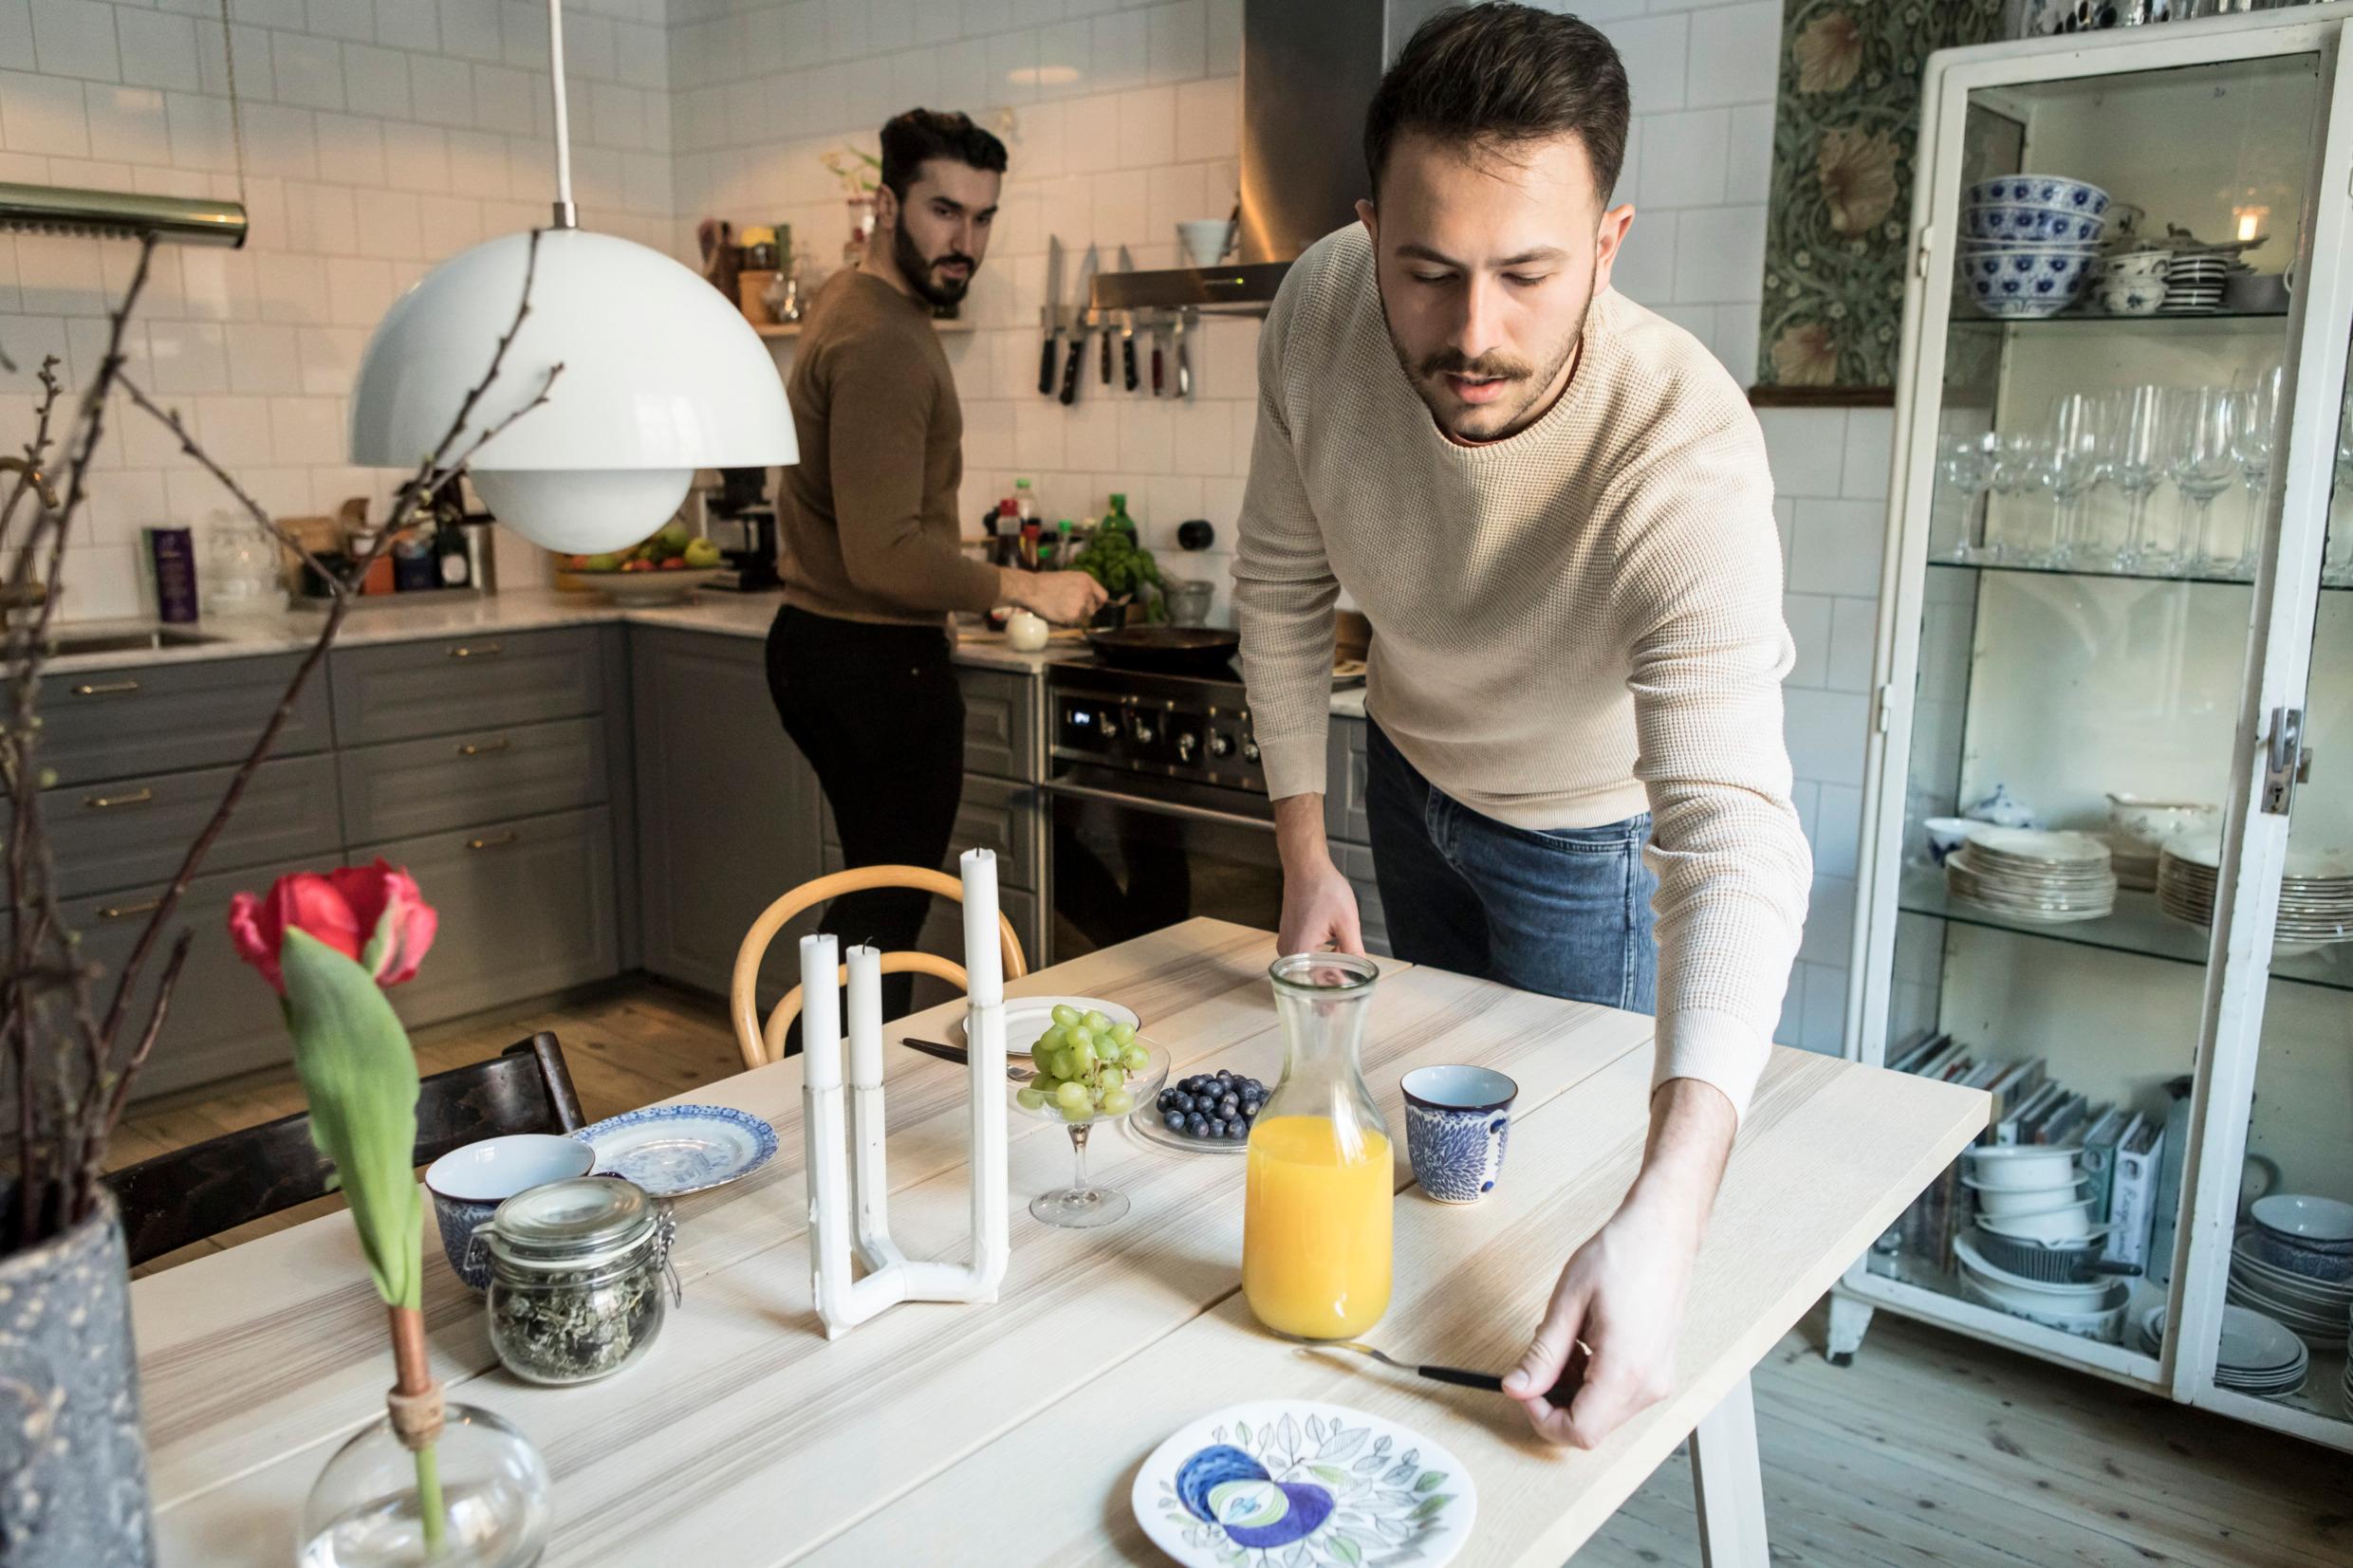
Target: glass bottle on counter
{"type": "Point", "coordinates": [1024, 501]}
{"type": "Point", "coordinates": [1316, 1225]}
{"type": "Point", "coordinates": [1117, 517]}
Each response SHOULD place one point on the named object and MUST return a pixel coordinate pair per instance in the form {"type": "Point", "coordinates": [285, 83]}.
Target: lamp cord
{"type": "Point", "coordinates": [566, 216]}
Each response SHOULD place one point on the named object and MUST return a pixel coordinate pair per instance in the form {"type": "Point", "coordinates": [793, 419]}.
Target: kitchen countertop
{"type": "Point", "coordinates": [511, 610]}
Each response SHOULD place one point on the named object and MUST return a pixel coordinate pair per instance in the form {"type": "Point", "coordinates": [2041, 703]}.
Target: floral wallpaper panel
{"type": "Point", "coordinates": [1844, 135]}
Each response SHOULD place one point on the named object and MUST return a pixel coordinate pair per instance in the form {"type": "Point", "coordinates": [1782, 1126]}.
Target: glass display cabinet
{"type": "Point", "coordinates": [2107, 856]}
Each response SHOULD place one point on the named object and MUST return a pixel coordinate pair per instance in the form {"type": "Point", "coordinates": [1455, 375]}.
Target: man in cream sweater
{"type": "Point", "coordinates": [1553, 506]}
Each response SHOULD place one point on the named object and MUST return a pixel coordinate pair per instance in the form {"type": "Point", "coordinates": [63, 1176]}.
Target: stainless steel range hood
{"type": "Point", "coordinates": [1308, 68]}
{"type": "Point", "coordinates": [119, 214]}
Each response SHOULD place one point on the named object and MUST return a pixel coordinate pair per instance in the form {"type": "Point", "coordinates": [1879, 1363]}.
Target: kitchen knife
{"type": "Point", "coordinates": [1077, 319]}
{"type": "Point", "coordinates": [1127, 327]}
{"type": "Point", "coordinates": [1157, 340]}
{"type": "Point", "coordinates": [1050, 315]}
{"type": "Point", "coordinates": [1184, 365]}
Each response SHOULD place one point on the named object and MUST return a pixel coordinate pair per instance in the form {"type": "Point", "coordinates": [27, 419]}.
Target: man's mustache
{"type": "Point", "coordinates": [956, 258]}
{"type": "Point", "coordinates": [1454, 362]}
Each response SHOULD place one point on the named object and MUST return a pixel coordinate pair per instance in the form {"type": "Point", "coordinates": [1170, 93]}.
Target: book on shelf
{"type": "Point", "coordinates": [2098, 1157]}
{"type": "Point", "coordinates": [1908, 1056]}
{"type": "Point", "coordinates": [2132, 1203]}
{"type": "Point", "coordinates": [2012, 1128]}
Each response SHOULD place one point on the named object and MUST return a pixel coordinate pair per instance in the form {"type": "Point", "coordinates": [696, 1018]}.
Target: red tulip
{"type": "Point", "coordinates": [347, 909]}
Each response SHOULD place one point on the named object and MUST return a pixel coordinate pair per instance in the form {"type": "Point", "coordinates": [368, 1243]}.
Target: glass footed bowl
{"type": "Point", "coordinates": [362, 1511]}
{"type": "Point", "coordinates": [1082, 1204]}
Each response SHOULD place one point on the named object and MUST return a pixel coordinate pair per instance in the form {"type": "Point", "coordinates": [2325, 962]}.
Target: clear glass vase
{"type": "Point", "coordinates": [362, 1511]}
{"type": "Point", "coordinates": [1321, 1186]}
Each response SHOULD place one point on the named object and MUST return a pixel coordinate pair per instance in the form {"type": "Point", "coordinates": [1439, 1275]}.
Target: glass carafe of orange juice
{"type": "Point", "coordinates": [1316, 1222]}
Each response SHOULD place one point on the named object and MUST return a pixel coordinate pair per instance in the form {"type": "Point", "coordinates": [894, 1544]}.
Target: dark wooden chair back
{"type": "Point", "coordinates": [205, 1188]}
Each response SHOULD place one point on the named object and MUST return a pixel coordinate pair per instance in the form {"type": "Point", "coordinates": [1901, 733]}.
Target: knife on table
{"type": "Point", "coordinates": [1050, 315]}
{"type": "Point", "coordinates": [1127, 327]}
{"type": "Point", "coordinates": [1076, 319]}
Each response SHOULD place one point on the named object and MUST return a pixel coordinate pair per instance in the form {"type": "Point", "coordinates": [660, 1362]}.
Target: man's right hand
{"type": "Point", "coordinates": [1063, 598]}
{"type": "Point", "coordinates": [1319, 905]}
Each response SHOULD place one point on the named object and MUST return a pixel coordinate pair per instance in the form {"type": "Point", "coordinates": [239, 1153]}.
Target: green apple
{"type": "Point", "coordinates": [702, 553]}
{"type": "Point", "coordinates": [672, 540]}
{"type": "Point", "coordinates": [600, 564]}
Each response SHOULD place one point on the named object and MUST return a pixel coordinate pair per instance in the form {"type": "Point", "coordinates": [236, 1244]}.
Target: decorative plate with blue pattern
{"type": "Point", "coordinates": [1301, 1484]}
{"type": "Point", "coordinates": [674, 1150]}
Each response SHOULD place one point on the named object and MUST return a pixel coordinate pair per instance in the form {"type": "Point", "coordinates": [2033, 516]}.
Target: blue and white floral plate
{"type": "Point", "coordinates": [1300, 1483]}
{"type": "Point", "coordinates": [674, 1150]}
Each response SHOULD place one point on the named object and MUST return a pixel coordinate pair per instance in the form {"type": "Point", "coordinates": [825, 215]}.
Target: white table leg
{"type": "Point", "coordinates": [1727, 1484]}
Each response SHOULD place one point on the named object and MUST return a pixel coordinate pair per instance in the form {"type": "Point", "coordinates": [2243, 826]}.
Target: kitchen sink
{"type": "Point", "coordinates": [120, 640]}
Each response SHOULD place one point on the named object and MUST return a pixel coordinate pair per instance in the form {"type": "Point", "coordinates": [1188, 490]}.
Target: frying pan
{"type": "Point", "coordinates": [1166, 650]}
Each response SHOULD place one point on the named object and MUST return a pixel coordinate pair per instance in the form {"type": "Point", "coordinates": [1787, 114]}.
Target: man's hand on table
{"type": "Point", "coordinates": [1622, 1292]}
{"type": "Point", "coordinates": [1319, 905]}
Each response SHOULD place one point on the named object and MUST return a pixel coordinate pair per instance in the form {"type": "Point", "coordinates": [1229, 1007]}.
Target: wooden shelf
{"type": "Point", "coordinates": [793, 329]}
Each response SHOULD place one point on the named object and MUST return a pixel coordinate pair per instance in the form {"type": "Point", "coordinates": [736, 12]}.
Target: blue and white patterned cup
{"type": "Point", "coordinates": [470, 1181]}
{"type": "Point", "coordinates": [1457, 1120]}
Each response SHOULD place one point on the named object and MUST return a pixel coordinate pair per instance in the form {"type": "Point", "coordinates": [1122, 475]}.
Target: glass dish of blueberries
{"type": "Point", "coordinates": [1208, 1113]}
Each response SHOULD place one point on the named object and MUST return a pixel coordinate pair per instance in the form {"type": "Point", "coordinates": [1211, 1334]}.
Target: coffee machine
{"type": "Point", "coordinates": [742, 522]}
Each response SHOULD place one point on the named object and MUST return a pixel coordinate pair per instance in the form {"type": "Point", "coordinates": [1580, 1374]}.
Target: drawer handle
{"type": "Point", "coordinates": [107, 803]}
{"type": "Point", "coordinates": [483, 749]}
{"type": "Point", "coordinates": [123, 911]}
{"type": "Point", "coordinates": [497, 842]}
{"type": "Point", "coordinates": [476, 650]}
{"type": "Point", "coordinates": [106, 689]}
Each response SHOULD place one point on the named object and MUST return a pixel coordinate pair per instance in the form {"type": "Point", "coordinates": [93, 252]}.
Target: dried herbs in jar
{"type": "Point", "coordinates": [580, 1278]}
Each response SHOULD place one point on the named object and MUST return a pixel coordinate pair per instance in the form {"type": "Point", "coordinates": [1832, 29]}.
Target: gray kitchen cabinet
{"type": "Point", "coordinates": [162, 718]}
{"type": "Point", "coordinates": [224, 1016]}
{"type": "Point", "coordinates": [1356, 865]}
{"type": "Point", "coordinates": [403, 788]}
{"type": "Point", "coordinates": [943, 931]}
{"type": "Point", "coordinates": [1343, 781]}
{"type": "Point", "coordinates": [1001, 723]}
{"type": "Point", "coordinates": [993, 814]}
{"type": "Point", "coordinates": [526, 907]}
{"type": "Point", "coordinates": [728, 809]}
{"type": "Point", "coordinates": [397, 691]}
{"type": "Point", "coordinates": [125, 833]}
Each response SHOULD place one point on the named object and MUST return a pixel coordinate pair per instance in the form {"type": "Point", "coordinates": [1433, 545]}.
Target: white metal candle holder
{"type": "Point", "coordinates": [838, 1166]}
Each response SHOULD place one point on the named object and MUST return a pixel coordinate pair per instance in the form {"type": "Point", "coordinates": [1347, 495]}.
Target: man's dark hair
{"type": "Point", "coordinates": [1503, 73]}
{"type": "Point", "coordinates": [913, 139]}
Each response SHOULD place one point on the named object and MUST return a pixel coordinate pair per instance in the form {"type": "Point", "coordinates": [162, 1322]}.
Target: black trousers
{"type": "Point", "coordinates": [877, 712]}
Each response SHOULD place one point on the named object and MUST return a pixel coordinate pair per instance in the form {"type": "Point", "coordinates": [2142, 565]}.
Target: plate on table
{"type": "Point", "coordinates": [1027, 1017]}
{"type": "Point", "coordinates": [1301, 1481]}
{"type": "Point", "coordinates": [674, 1150]}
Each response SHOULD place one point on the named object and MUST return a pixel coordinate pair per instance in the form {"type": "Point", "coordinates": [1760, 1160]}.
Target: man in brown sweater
{"type": "Point", "coordinates": [1554, 508]}
{"type": "Point", "coordinates": [858, 658]}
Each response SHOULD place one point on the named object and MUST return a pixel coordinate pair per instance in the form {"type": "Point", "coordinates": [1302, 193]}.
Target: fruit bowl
{"type": "Point", "coordinates": [653, 588]}
{"type": "Point", "coordinates": [1079, 1103]}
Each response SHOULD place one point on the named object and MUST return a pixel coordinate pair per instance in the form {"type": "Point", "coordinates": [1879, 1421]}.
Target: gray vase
{"type": "Point", "coordinates": [73, 1472]}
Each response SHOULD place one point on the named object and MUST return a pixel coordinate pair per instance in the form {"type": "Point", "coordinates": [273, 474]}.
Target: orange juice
{"type": "Point", "coordinates": [1316, 1228]}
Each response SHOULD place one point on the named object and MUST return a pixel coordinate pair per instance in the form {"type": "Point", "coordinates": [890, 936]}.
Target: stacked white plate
{"type": "Point", "coordinates": [2258, 1356]}
{"type": "Point", "coordinates": [2318, 1310]}
{"type": "Point", "coordinates": [2194, 281]}
{"type": "Point", "coordinates": [2316, 891]}
{"type": "Point", "coordinates": [2031, 874]}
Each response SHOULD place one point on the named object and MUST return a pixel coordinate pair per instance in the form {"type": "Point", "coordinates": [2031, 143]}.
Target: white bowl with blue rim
{"type": "Point", "coordinates": [2049, 190]}
{"type": "Point", "coordinates": [2025, 280]}
{"type": "Point", "coordinates": [2033, 224]}
{"type": "Point", "coordinates": [674, 1150]}
{"type": "Point", "coordinates": [471, 1181]}
{"type": "Point", "coordinates": [1457, 1122]}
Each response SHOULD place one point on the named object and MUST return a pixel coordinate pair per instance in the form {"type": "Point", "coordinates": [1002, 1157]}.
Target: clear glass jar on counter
{"type": "Point", "coordinates": [580, 1278]}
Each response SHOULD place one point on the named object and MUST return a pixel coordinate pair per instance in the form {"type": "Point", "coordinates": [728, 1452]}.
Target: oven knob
{"type": "Point", "coordinates": [1220, 744]}
{"type": "Point", "coordinates": [1186, 743]}
{"type": "Point", "coordinates": [1250, 751]}
{"type": "Point", "coordinates": [1139, 729]}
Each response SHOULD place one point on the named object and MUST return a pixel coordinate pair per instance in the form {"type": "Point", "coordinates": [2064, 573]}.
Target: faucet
{"type": "Point", "coordinates": [42, 489]}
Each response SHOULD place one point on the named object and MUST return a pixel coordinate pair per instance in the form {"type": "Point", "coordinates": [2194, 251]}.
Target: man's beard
{"type": "Point", "coordinates": [1529, 382]}
{"type": "Point", "coordinates": [919, 270]}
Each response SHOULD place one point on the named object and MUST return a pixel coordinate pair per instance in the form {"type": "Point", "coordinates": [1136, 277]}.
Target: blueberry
{"type": "Point", "coordinates": [1182, 1102]}
{"type": "Point", "coordinates": [1174, 1123]}
{"type": "Point", "coordinates": [1218, 1127]}
{"type": "Point", "coordinates": [1224, 1075]}
{"type": "Point", "coordinates": [1167, 1100]}
{"type": "Point", "coordinates": [1197, 1125]}
{"type": "Point", "coordinates": [1237, 1130]}
{"type": "Point", "coordinates": [1230, 1107]}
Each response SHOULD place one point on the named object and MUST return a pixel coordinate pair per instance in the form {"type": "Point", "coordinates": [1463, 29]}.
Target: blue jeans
{"type": "Point", "coordinates": [1564, 912]}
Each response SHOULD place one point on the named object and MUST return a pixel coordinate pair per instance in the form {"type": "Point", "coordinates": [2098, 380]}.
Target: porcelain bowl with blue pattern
{"type": "Point", "coordinates": [2047, 190]}
{"type": "Point", "coordinates": [2025, 280]}
{"type": "Point", "coordinates": [1457, 1121]}
{"type": "Point", "coordinates": [471, 1181]}
{"type": "Point", "coordinates": [2033, 224]}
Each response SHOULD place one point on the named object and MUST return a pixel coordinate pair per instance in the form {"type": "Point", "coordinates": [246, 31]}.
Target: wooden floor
{"type": "Point", "coordinates": [1930, 1449]}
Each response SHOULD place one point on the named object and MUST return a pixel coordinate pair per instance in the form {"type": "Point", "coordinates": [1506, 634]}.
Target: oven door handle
{"type": "Point", "coordinates": [1159, 808]}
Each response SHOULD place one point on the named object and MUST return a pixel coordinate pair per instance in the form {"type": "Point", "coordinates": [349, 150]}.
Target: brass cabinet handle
{"type": "Point", "coordinates": [106, 689]}
{"type": "Point", "coordinates": [483, 749]}
{"type": "Point", "coordinates": [123, 911]}
{"type": "Point", "coordinates": [107, 803]}
{"type": "Point", "coordinates": [476, 650]}
{"type": "Point", "coordinates": [498, 841]}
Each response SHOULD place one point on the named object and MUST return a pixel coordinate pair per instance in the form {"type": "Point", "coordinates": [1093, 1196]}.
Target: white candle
{"type": "Point", "coordinates": [821, 1013]}
{"type": "Point", "coordinates": [984, 967]}
{"type": "Point", "coordinates": [865, 1017]}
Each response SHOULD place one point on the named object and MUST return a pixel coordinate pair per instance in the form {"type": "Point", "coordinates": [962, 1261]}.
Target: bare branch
{"type": "Point", "coordinates": [51, 389]}
{"type": "Point", "coordinates": [117, 1094]}
{"type": "Point", "coordinates": [170, 420]}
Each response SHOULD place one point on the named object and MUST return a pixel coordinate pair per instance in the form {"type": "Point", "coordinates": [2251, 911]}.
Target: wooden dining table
{"type": "Point", "coordinates": [1012, 1432]}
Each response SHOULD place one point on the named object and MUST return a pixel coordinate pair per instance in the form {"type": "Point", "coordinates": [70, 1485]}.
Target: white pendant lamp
{"type": "Point", "coordinates": [661, 376]}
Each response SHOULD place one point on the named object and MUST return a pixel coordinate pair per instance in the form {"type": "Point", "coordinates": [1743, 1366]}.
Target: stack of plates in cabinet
{"type": "Point", "coordinates": [2316, 891]}
{"type": "Point", "coordinates": [2256, 1355]}
{"type": "Point", "coordinates": [2033, 876]}
{"type": "Point", "coordinates": [2294, 1259]}
{"type": "Point", "coordinates": [2193, 283]}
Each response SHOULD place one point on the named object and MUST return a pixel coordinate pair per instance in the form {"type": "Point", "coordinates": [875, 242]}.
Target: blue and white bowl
{"type": "Point", "coordinates": [470, 1181]}
{"type": "Point", "coordinates": [2033, 224]}
{"type": "Point", "coordinates": [2048, 191]}
{"type": "Point", "coordinates": [2024, 281]}
{"type": "Point", "coordinates": [1457, 1120]}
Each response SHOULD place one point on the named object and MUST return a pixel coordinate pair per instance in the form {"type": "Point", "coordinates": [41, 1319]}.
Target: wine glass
{"type": "Point", "coordinates": [1967, 465]}
{"type": "Point", "coordinates": [2135, 445]}
{"type": "Point", "coordinates": [2018, 470]}
{"type": "Point", "coordinates": [1079, 1104]}
{"type": "Point", "coordinates": [2257, 409]}
{"type": "Point", "coordinates": [2199, 424]}
{"type": "Point", "coordinates": [2075, 459]}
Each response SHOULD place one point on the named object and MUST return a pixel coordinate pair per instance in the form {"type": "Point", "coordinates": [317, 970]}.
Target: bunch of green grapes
{"type": "Point", "coordinates": [1083, 1062]}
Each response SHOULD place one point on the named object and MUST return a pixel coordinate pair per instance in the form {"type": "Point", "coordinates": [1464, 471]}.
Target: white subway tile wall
{"type": "Point", "coordinates": [379, 139]}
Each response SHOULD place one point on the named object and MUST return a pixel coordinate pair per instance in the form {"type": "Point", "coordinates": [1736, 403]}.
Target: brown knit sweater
{"type": "Point", "coordinates": [869, 514]}
{"type": "Point", "coordinates": [1571, 625]}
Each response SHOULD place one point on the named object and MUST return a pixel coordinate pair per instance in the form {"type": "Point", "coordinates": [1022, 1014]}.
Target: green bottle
{"type": "Point", "coordinates": [1117, 517]}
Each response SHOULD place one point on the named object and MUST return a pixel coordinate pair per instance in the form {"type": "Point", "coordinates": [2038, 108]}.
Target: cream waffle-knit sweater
{"type": "Point", "coordinates": [1569, 625]}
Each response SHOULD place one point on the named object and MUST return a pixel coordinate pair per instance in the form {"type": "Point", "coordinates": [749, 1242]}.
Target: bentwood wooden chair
{"type": "Point", "coordinates": [760, 1046]}
{"type": "Point", "coordinates": [205, 1188]}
